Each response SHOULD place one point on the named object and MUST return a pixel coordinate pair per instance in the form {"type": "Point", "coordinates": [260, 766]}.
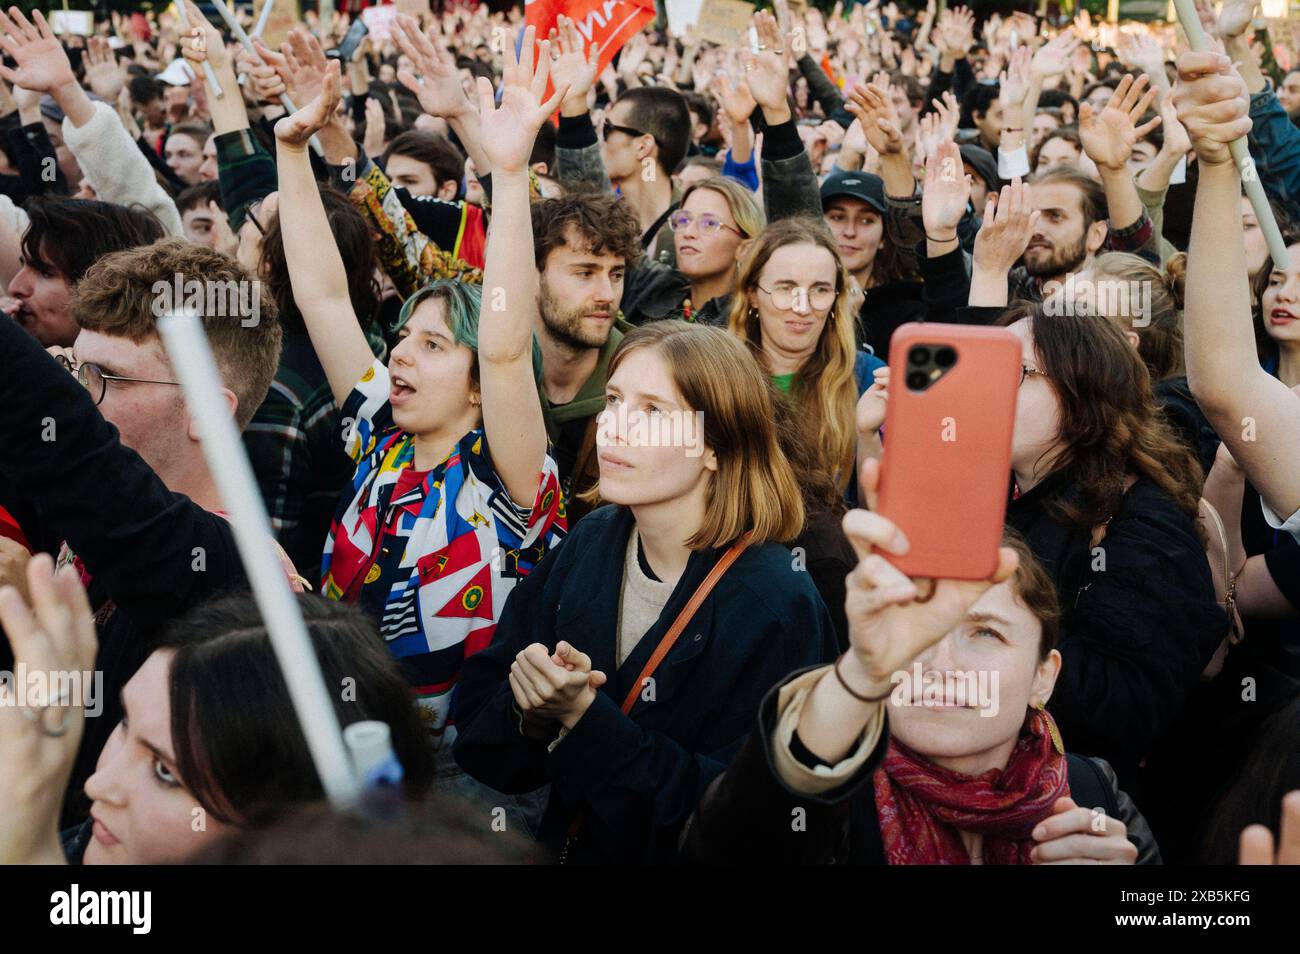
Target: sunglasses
{"type": "Point", "coordinates": [611, 127]}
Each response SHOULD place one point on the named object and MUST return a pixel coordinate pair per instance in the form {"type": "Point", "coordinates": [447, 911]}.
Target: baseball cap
{"type": "Point", "coordinates": [859, 185]}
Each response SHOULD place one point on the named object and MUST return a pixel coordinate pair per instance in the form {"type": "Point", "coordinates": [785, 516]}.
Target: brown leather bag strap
{"type": "Point", "coordinates": [684, 617]}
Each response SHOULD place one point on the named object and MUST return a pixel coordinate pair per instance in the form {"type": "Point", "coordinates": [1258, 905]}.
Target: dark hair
{"type": "Point", "coordinates": [71, 234]}
{"type": "Point", "coordinates": [603, 221]}
{"type": "Point", "coordinates": [544, 148]}
{"type": "Point", "coordinates": [145, 89]}
{"type": "Point", "coordinates": [442, 830]}
{"type": "Point", "coordinates": [1155, 136]}
{"type": "Point", "coordinates": [1055, 99]}
{"type": "Point", "coordinates": [434, 150]}
{"type": "Point", "coordinates": [978, 99]}
{"type": "Point", "coordinates": [198, 196]}
{"type": "Point", "coordinates": [911, 87]}
{"type": "Point", "coordinates": [352, 235]}
{"type": "Point", "coordinates": [1092, 200]}
{"type": "Point", "coordinates": [199, 132]}
{"type": "Point", "coordinates": [701, 106]}
{"type": "Point", "coordinates": [235, 732]}
{"type": "Point", "coordinates": [1110, 425]}
{"type": "Point", "coordinates": [1034, 587]}
{"type": "Point", "coordinates": [1269, 772]}
{"type": "Point", "coordinates": [661, 113]}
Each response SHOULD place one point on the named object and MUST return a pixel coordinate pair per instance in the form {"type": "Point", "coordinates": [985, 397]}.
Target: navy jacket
{"type": "Point", "coordinates": [636, 779]}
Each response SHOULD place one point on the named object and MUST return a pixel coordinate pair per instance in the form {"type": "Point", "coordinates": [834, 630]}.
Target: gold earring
{"type": "Point", "coordinates": [1057, 742]}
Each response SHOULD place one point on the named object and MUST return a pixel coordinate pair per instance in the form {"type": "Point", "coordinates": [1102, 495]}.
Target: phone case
{"type": "Point", "coordinates": [946, 469]}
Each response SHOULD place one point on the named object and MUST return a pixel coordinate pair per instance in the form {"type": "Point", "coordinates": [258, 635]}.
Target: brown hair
{"type": "Point", "coordinates": [1160, 334]}
{"type": "Point", "coordinates": [754, 487]}
{"type": "Point", "coordinates": [603, 222]}
{"type": "Point", "coordinates": [1110, 425]}
{"type": "Point", "coordinates": [119, 293]}
{"type": "Point", "coordinates": [744, 207]}
{"type": "Point", "coordinates": [432, 149]}
{"type": "Point", "coordinates": [826, 390]}
{"type": "Point", "coordinates": [1033, 587]}
{"type": "Point", "coordinates": [1069, 133]}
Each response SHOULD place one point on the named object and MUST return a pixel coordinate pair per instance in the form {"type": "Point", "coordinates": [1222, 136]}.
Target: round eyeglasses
{"type": "Point", "coordinates": [95, 380]}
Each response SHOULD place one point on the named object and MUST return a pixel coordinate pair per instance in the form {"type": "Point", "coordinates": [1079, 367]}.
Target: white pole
{"type": "Point", "coordinates": [209, 77]}
{"type": "Point", "coordinates": [1240, 150]}
{"type": "Point", "coordinates": [243, 38]}
{"type": "Point", "coordinates": [187, 348]}
{"type": "Point", "coordinates": [261, 20]}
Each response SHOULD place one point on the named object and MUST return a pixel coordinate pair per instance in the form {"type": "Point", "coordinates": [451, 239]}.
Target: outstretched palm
{"type": "Point", "coordinates": [574, 67]}
{"type": "Point", "coordinates": [1108, 136]}
{"type": "Point", "coordinates": [42, 63]}
{"type": "Point", "coordinates": [297, 128]}
{"type": "Point", "coordinates": [508, 130]}
{"type": "Point", "coordinates": [441, 93]}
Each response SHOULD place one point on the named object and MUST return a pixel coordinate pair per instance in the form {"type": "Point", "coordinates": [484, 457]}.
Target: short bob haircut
{"type": "Point", "coordinates": [755, 486]}
{"type": "Point", "coordinates": [238, 745]}
{"type": "Point", "coordinates": [744, 207]}
{"type": "Point", "coordinates": [463, 301]}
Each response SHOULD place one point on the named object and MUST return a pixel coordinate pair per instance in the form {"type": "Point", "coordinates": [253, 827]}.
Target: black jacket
{"type": "Point", "coordinates": [745, 815]}
{"type": "Point", "coordinates": [1139, 619]}
{"type": "Point", "coordinates": [636, 779]}
{"type": "Point", "coordinates": [152, 553]}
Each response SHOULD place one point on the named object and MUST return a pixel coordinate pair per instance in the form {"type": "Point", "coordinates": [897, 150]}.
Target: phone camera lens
{"type": "Point", "coordinates": [917, 380]}
{"type": "Point", "coordinates": [945, 357]}
{"type": "Point", "coordinates": [919, 355]}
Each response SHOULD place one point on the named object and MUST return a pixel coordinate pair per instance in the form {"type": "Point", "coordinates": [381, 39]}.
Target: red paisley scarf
{"type": "Point", "coordinates": [922, 807]}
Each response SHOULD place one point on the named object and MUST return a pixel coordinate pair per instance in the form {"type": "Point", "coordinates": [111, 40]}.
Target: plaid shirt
{"type": "Point", "coordinates": [431, 555]}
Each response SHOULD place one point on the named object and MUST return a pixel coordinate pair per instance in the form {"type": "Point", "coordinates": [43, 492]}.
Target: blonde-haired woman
{"type": "Point", "coordinates": [795, 312]}
{"type": "Point", "coordinates": [713, 228]}
{"type": "Point", "coordinates": [582, 686]}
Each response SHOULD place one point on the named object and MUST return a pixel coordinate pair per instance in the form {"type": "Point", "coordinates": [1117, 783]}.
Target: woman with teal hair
{"type": "Point", "coordinates": [436, 529]}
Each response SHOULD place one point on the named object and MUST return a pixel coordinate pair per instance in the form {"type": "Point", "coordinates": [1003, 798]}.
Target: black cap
{"type": "Point", "coordinates": [982, 161]}
{"type": "Point", "coordinates": [860, 185]}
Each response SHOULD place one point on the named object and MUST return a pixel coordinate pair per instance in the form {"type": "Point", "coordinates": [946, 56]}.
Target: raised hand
{"type": "Point", "coordinates": [306, 62]}
{"type": "Point", "coordinates": [765, 71]}
{"type": "Point", "coordinates": [945, 193]}
{"type": "Point", "coordinates": [1143, 52]}
{"type": "Point", "coordinates": [508, 131]}
{"type": "Point", "coordinates": [1009, 223]}
{"type": "Point", "coordinates": [1235, 17]}
{"type": "Point", "coordinates": [1212, 104]}
{"type": "Point", "coordinates": [1108, 136]}
{"type": "Point", "coordinates": [42, 64]}
{"type": "Point", "coordinates": [104, 73]}
{"type": "Point", "coordinates": [573, 67]}
{"type": "Point", "coordinates": [55, 634]}
{"type": "Point", "coordinates": [296, 129]}
{"type": "Point", "coordinates": [441, 93]}
{"type": "Point", "coordinates": [1053, 57]}
{"type": "Point", "coordinates": [888, 628]}
{"type": "Point", "coordinates": [735, 98]}
{"type": "Point", "coordinates": [874, 108]}
{"type": "Point", "coordinates": [872, 404]}
{"type": "Point", "coordinates": [1015, 82]}
{"type": "Point", "coordinates": [372, 141]}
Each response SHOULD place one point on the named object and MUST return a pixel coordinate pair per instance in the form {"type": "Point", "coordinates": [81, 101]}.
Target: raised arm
{"type": "Point", "coordinates": [1256, 415]}
{"type": "Point", "coordinates": [1108, 138]}
{"type": "Point", "coordinates": [316, 270]}
{"type": "Point", "coordinates": [512, 414]}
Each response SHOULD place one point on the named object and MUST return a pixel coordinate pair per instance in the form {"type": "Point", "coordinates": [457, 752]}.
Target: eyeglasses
{"type": "Point", "coordinates": [94, 380]}
{"type": "Point", "coordinates": [1026, 371]}
{"type": "Point", "coordinates": [819, 297]}
{"type": "Point", "coordinates": [708, 224]}
{"type": "Point", "coordinates": [608, 127]}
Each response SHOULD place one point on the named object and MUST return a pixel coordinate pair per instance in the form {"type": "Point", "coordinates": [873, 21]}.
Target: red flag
{"type": "Point", "coordinates": [607, 22]}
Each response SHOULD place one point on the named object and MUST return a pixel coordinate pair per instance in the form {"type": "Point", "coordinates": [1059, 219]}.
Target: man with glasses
{"type": "Point", "coordinates": [103, 467]}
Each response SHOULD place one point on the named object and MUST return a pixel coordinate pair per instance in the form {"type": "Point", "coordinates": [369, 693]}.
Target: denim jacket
{"type": "Point", "coordinates": [1275, 147]}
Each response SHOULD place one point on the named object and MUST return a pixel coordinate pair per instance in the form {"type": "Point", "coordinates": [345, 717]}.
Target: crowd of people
{"type": "Point", "coordinates": [459, 281]}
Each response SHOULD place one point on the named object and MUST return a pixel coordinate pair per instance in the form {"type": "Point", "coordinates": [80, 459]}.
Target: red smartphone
{"type": "Point", "coordinates": [946, 470]}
